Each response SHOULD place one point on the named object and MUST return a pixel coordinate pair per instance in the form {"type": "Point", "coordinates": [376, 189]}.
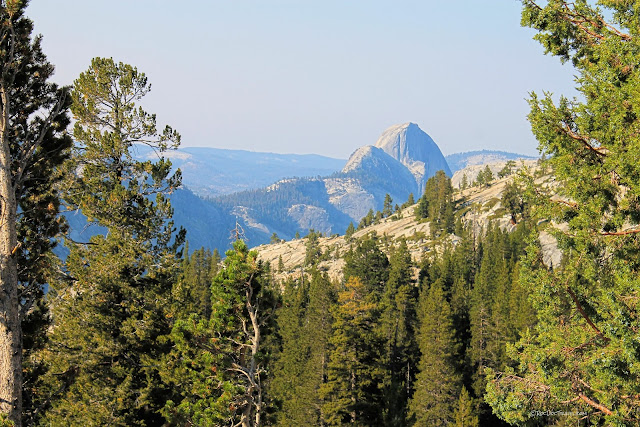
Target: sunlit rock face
{"type": "Point", "coordinates": [415, 149]}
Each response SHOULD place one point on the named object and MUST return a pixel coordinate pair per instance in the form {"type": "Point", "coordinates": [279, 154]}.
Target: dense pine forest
{"type": "Point", "coordinates": [135, 328]}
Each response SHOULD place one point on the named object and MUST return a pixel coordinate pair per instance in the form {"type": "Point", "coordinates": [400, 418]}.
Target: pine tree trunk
{"type": "Point", "coordinates": [10, 330]}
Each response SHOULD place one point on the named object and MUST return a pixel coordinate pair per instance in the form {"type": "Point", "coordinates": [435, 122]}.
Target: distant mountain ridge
{"type": "Point", "coordinates": [211, 172]}
{"type": "Point", "coordinates": [460, 161]}
{"type": "Point", "coordinates": [400, 163]}
{"type": "Point", "coordinates": [260, 190]}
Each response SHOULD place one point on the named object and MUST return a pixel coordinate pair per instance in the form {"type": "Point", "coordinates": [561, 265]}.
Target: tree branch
{"type": "Point", "coordinates": [584, 314]}
{"type": "Point", "coordinates": [600, 151]}
{"type": "Point", "coordinates": [620, 233]}
{"type": "Point", "coordinates": [595, 404]}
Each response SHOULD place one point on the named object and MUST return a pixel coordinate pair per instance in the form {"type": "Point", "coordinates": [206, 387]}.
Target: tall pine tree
{"type": "Point", "coordinates": [304, 323]}
{"type": "Point", "coordinates": [438, 382]}
{"type": "Point", "coordinates": [33, 143]}
{"type": "Point", "coordinates": [397, 330]}
{"type": "Point", "coordinates": [110, 314]}
{"type": "Point", "coordinates": [352, 392]}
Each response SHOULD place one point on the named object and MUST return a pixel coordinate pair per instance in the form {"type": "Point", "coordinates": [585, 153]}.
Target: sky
{"type": "Point", "coordinates": [316, 76]}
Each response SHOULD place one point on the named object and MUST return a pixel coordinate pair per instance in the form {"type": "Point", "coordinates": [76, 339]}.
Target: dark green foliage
{"type": "Point", "coordinates": [369, 264]}
{"type": "Point", "coordinates": [397, 329]}
{"type": "Point", "coordinates": [387, 208]}
{"type": "Point", "coordinates": [352, 393]}
{"type": "Point", "coordinates": [291, 364]}
{"type": "Point", "coordinates": [220, 364]}
{"type": "Point", "coordinates": [410, 201]}
{"type": "Point", "coordinates": [488, 306]}
{"type": "Point", "coordinates": [34, 144]}
{"type": "Point", "coordinates": [313, 253]}
{"type": "Point", "coordinates": [112, 315]}
{"type": "Point", "coordinates": [436, 204]}
{"type": "Point", "coordinates": [513, 200]}
{"type": "Point", "coordinates": [350, 230]}
{"type": "Point", "coordinates": [438, 381]}
{"type": "Point", "coordinates": [367, 220]}
{"type": "Point", "coordinates": [300, 369]}
{"type": "Point", "coordinates": [109, 336]}
{"type": "Point", "coordinates": [192, 292]}
{"type": "Point", "coordinates": [491, 286]}
{"type": "Point", "coordinates": [378, 217]}
{"type": "Point", "coordinates": [485, 177]}
{"type": "Point", "coordinates": [499, 308]}
{"type": "Point", "coordinates": [580, 356]}
{"type": "Point", "coordinates": [507, 169]}
{"type": "Point", "coordinates": [465, 182]}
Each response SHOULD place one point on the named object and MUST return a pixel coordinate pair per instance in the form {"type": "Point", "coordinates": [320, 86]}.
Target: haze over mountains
{"type": "Point", "coordinates": [401, 161]}
{"type": "Point", "coordinates": [211, 172]}
{"type": "Point", "coordinates": [270, 193]}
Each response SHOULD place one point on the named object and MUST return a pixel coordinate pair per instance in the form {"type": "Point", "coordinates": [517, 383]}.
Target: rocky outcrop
{"type": "Point", "coordinates": [478, 207]}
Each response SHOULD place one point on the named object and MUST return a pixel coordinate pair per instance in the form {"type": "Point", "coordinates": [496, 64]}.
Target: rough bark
{"type": "Point", "coordinates": [10, 330]}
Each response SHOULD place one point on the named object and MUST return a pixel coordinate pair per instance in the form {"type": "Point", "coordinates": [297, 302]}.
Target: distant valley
{"type": "Point", "coordinates": [285, 194]}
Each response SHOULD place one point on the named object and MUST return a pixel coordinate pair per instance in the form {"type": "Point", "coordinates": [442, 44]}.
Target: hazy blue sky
{"type": "Point", "coordinates": [322, 76]}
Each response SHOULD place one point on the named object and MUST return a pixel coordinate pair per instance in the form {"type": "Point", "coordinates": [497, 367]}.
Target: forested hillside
{"type": "Point", "coordinates": [511, 298]}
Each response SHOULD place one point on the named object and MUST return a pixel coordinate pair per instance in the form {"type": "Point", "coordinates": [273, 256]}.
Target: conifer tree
{"type": "Point", "coordinates": [313, 253]}
{"type": "Point", "coordinates": [410, 201]}
{"type": "Point", "coordinates": [512, 200]}
{"type": "Point", "coordinates": [111, 315]}
{"type": "Point", "coordinates": [387, 208]}
{"type": "Point", "coordinates": [436, 204]}
{"type": "Point", "coordinates": [220, 362]}
{"type": "Point", "coordinates": [290, 374]}
{"type": "Point", "coordinates": [485, 176]}
{"type": "Point", "coordinates": [580, 356]}
{"type": "Point", "coordinates": [192, 292]}
{"type": "Point", "coordinates": [507, 169]}
{"type": "Point", "coordinates": [465, 411]}
{"type": "Point", "coordinates": [350, 230]}
{"type": "Point", "coordinates": [304, 323]}
{"type": "Point", "coordinates": [397, 329]}
{"type": "Point", "coordinates": [33, 144]}
{"type": "Point", "coordinates": [367, 220]}
{"type": "Point", "coordinates": [352, 392]}
{"type": "Point", "coordinates": [322, 300]}
{"type": "Point", "coordinates": [369, 264]}
{"type": "Point", "coordinates": [438, 382]}
{"type": "Point", "coordinates": [489, 309]}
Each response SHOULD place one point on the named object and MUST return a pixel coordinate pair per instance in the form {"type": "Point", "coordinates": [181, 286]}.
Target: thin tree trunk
{"type": "Point", "coordinates": [10, 328]}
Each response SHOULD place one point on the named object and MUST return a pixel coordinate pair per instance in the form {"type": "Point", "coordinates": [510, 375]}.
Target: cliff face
{"type": "Point", "coordinates": [415, 149]}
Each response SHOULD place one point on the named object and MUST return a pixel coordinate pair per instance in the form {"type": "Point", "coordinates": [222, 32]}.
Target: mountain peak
{"type": "Point", "coordinates": [415, 149]}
